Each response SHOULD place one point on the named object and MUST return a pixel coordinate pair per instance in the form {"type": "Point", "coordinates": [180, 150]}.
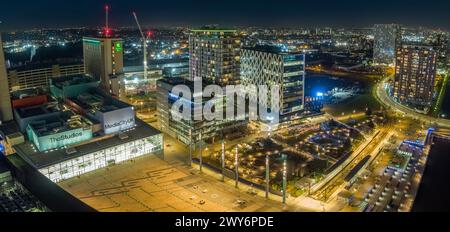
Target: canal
{"type": "Point", "coordinates": [317, 83]}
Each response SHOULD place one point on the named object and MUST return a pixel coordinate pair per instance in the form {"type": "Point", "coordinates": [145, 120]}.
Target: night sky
{"type": "Point", "coordinates": [347, 13]}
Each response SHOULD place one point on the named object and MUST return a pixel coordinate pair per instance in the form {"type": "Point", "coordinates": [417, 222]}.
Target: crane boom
{"type": "Point", "coordinates": [144, 48]}
{"type": "Point", "coordinates": [138, 24]}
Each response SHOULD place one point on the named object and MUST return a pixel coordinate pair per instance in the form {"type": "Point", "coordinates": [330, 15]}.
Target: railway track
{"type": "Point", "coordinates": [334, 183]}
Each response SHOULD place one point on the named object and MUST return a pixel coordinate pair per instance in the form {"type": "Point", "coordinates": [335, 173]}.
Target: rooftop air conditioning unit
{"type": "Point", "coordinates": [71, 151]}
{"type": "Point", "coordinates": [123, 136]}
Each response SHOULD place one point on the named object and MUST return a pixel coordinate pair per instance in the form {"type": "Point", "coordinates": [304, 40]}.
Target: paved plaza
{"type": "Point", "coordinates": [150, 184]}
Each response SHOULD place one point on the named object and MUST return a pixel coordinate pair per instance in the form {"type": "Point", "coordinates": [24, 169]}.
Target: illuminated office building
{"type": "Point", "coordinates": [86, 129]}
{"type": "Point", "coordinates": [189, 129]}
{"type": "Point", "coordinates": [214, 56]}
{"type": "Point", "coordinates": [5, 99]}
{"type": "Point", "coordinates": [270, 66]}
{"type": "Point", "coordinates": [74, 152]}
{"type": "Point", "coordinates": [39, 77]}
{"type": "Point", "coordinates": [103, 59]}
{"type": "Point", "coordinates": [386, 39]}
{"type": "Point", "coordinates": [214, 59]}
{"type": "Point", "coordinates": [415, 74]}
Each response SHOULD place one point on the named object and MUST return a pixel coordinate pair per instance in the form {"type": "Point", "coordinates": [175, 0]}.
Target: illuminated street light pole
{"type": "Point", "coordinates": [190, 147]}
{"type": "Point", "coordinates": [201, 153]}
{"type": "Point", "coordinates": [237, 167]}
{"type": "Point", "coordinates": [223, 159]}
{"type": "Point", "coordinates": [284, 177]}
{"type": "Point", "coordinates": [267, 175]}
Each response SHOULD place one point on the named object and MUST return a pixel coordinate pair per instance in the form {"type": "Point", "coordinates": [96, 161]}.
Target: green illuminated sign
{"type": "Point", "coordinates": [118, 47]}
{"type": "Point", "coordinates": [90, 41]}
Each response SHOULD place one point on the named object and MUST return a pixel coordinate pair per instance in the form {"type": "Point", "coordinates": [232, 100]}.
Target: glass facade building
{"type": "Point", "coordinates": [386, 39]}
{"type": "Point", "coordinates": [214, 56]}
{"type": "Point", "coordinates": [100, 159]}
{"type": "Point", "coordinates": [188, 130]}
{"type": "Point", "coordinates": [269, 66]}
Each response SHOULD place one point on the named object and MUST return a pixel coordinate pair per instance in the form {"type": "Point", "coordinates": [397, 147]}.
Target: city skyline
{"type": "Point", "coordinates": [196, 13]}
{"type": "Point", "coordinates": [275, 106]}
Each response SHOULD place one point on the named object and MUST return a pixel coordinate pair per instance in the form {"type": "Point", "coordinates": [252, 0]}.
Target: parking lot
{"type": "Point", "coordinates": [150, 184]}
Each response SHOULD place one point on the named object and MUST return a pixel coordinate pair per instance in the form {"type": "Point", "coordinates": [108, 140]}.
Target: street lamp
{"type": "Point", "coordinates": [267, 174]}
{"type": "Point", "coordinates": [223, 159]}
{"type": "Point", "coordinates": [284, 157]}
{"type": "Point", "coordinates": [237, 167]}
{"type": "Point", "coordinates": [190, 147]}
{"type": "Point", "coordinates": [201, 154]}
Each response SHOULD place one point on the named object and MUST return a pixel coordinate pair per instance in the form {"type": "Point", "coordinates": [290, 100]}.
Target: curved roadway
{"type": "Point", "coordinates": [383, 97]}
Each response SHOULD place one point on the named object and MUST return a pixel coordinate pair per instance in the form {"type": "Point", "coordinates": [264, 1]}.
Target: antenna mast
{"type": "Point", "coordinates": [107, 30]}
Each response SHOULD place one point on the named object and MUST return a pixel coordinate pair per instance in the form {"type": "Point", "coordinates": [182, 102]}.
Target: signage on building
{"type": "Point", "coordinates": [118, 47]}
{"type": "Point", "coordinates": [74, 135]}
{"type": "Point", "coordinates": [118, 120]}
{"type": "Point", "coordinates": [58, 140]}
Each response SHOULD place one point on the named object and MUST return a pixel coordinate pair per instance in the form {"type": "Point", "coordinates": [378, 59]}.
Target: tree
{"type": "Point", "coordinates": [368, 111]}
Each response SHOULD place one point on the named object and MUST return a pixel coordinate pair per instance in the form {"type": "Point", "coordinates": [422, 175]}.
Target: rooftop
{"type": "Point", "coordinates": [94, 100]}
{"type": "Point", "coordinates": [37, 110]}
{"type": "Point", "coordinates": [26, 93]}
{"type": "Point", "coordinates": [66, 121]}
{"type": "Point", "coordinates": [62, 82]}
{"type": "Point", "coordinates": [44, 159]}
{"type": "Point", "coordinates": [269, 49]}
{"type": "Point", "coordinates": [9, 128]}
{"type": "Point", "coordinates": [181, 81]}
{"type": "Point", "coordinates": [99, 39]}
{"type": "Point", "coordinates": [417, 46]}
{"type": "Point", "coordinates": [47, 65]}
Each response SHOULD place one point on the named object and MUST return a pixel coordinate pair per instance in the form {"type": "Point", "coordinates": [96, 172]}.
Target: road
{"type": "Point", "coordinates": [383, 97]}
{"type": "Point", "coordinates": [335, 182]}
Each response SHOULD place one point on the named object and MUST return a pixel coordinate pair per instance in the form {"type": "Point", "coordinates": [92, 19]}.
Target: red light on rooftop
{"type": "Point", "coordinates": [150, 34]}
{"type": "Point", "coordinates": [107, 32]}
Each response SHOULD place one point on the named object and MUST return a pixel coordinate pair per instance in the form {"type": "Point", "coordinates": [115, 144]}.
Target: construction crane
{"type": "Point", "coordinates": [144, 38]}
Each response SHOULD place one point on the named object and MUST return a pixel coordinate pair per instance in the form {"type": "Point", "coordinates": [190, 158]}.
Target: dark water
{"type": "Point", "coordinates": [434, 191]}
{"type": "Point", "coordinates": [323, 83]}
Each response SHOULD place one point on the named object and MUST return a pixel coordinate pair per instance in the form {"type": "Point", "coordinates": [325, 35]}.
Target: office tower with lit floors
{"type": "Point", "coordinates": [270, 66]}
{"type": "Point", "coordinates": [215, 56]}
{"type": "Point", "coordinates": [415, 75]}
{"type": "Point", "coordinates": [103, 59]}
{"type": "Point", "coordinates": [214, 59]}
{"type": "Point", "coordinates": [5, 100]}
{"type": "Point", "coordinates": [386, 39]}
